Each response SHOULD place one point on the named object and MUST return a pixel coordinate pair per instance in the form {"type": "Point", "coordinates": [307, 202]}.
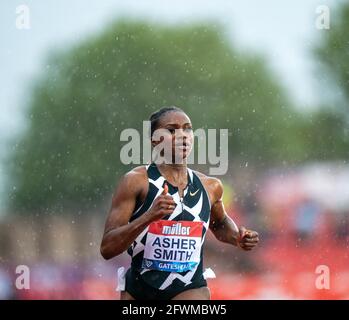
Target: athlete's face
{"type": "Point", "coordinates": [178, 134]}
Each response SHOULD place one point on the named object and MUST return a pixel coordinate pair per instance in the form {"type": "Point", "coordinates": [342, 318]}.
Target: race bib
{"type": "Point", "coordinates": [173, 246]}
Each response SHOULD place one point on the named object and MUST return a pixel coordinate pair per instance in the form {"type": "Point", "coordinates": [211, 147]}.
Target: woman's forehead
{"type": "Point", "coordinates": [178, 118]}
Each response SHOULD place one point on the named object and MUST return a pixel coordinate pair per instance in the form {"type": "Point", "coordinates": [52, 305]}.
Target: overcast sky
{"type": "Point", "coordinates": [284, 31]}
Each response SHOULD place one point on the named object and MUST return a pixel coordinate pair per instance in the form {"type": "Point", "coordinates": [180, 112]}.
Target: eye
{"type": "Point", "coordinates": [172, 131]}
{"type": "Point", "coordinates": [188, 129]}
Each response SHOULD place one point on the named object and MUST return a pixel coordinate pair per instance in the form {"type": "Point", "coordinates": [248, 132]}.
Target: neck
{"type": "Point", "coordinates": [179, 168]}
{"type": "Point", "coordinates": [175, 172]}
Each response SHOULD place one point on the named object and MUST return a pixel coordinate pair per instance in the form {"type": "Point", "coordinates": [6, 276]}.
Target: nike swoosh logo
{"type": "Point", "coordinates": [193, 194]}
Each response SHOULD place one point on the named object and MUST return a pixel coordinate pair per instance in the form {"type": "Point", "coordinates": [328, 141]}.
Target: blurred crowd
{"type": "Point", "coordinates": [302, 225]}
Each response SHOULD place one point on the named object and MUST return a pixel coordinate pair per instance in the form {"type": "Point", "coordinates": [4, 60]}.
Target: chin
{"type": "Point", "coordinates": [180, 159]}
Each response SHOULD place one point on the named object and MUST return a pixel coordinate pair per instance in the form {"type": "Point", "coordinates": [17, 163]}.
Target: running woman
{"type": "Point", "coordinates": [160, 214]}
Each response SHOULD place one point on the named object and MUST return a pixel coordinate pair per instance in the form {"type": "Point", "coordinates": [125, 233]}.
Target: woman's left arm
{"type": "Point", "coordinates": [223, 227]}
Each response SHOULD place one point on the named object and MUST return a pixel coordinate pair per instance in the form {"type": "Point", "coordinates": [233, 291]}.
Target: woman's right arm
{"type": "Point", "coordinates": [119, 234]}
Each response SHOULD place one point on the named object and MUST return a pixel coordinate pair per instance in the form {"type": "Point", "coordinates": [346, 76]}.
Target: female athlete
{"type": "Point", "coordinates": [160, 214]}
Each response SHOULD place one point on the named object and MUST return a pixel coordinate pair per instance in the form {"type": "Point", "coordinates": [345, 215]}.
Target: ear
{"type": "Point", "coordinates": [154, 143]}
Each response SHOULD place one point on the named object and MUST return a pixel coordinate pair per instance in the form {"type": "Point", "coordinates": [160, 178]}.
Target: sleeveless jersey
{"type": "Point", "coordinates": [193, 215]}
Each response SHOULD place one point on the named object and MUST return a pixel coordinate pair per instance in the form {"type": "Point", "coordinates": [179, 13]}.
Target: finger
{"type": "Point", "coordinates": [247, 248]}
{"type": "Point", "coordinates": [242, 232]}
{"type": "Point", "coordinates": [167, 197]}
{"type": "Point", "coordinates": [251, 240]}
{"type": "Point", "coordinates": [254, 243]}
{"type": "Point", "coordinates": [248, 244]}
{"type": "Point", "coordinates": [167, 211]}
{"type": "Point", "coordinates": [248, 233]}
{"type": "Point", "coordinates": [165, 191]}
{"type": "Point", "coordinates": [244, 247]}
{"type": "Point", "coordinates": [252, 234]}
{"type": "Point", "coordinates": [162, 199]}
{"type": "Point", "coordinates": [168, 207]}
{"type": "Point", "coordinates": [167, 202]}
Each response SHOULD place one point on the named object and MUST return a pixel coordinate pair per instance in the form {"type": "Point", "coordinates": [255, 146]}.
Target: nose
{"type": "Point", "coordinates": [182, 136]}
{"type": "Point", "coordinates": [181, 133]}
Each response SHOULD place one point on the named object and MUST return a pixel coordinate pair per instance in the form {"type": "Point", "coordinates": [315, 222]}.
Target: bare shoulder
{"type": "Point", "coordinates": [134, 181]}
{"type": "Point", "coordinates": [137, 173]}
{"type": "Point", "coordinates": [213, 186]}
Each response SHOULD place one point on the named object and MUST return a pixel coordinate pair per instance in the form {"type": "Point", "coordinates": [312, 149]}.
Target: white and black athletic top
{"type": "Point", "coordinates": [194, 206]}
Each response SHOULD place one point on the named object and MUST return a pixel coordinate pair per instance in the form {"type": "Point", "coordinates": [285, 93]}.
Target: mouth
{"type": "Point", "coordinates": [182, 146]}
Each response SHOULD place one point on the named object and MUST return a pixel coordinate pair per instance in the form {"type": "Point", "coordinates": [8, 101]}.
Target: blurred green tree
{"type": "Point", "coordinates": [328, 128]}
{"type": "Point", "coordinates": [325, 135]}
{"type": "Point", "coordinates": [69, 154]}
{"type": "Point", "coordinates": [333, 52]}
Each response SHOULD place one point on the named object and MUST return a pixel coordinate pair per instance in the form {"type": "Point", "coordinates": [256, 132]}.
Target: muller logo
{"type": "Point", "coordinates": [176, 229]}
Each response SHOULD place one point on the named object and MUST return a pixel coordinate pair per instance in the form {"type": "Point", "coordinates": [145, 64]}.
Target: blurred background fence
{"type": "Point", "coordinates": [301, 228]}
